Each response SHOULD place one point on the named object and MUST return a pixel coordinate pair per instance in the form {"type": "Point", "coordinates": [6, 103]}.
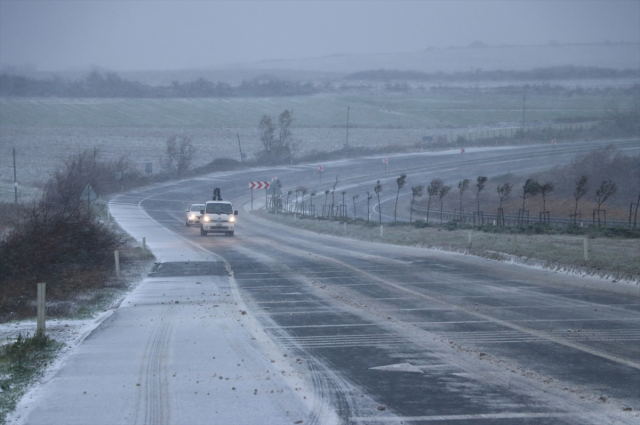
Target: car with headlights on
{"type": "Point", "coordinates": [194, 215]}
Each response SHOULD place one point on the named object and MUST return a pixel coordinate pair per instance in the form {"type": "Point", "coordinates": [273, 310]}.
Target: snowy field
{"type": "Point", "coordinates": [46, 131]}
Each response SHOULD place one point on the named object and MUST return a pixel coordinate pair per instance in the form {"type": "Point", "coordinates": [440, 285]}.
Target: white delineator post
{"type": "Point", "coordinates": [116, 254]}
{"type": "Point", "coordinates": [585, 245]}
{"type": "Point", "coordinates": [144, 246]}
{"type": "Point", "coordinates": [42, 308]}
{"type": "Point", "coordinates": [381, 230]}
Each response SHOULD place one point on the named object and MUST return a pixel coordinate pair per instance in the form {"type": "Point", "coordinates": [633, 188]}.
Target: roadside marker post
{"type": "Point", "coordinates": [42, 308]}
{"type": "Point", "coordinates": [116, 254]}
{"type": "Point", "coordinates": [259, 185]}
{"type": "Point", "coordinates": [585, 246]}
{"type": "Point", "coordinates": [144, 246]}
{"type": "Point", "coordinates": [384, 161]}
{"type": "Point", "coordinates": [320, 170]}
{"type": "Point", "coordinates": [381, 230]}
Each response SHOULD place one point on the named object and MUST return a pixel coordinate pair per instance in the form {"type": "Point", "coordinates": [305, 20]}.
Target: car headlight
{"type": "Point", "coordinates": [192, 217]}
{"type": "Point", "coordinates": [206, 218]}
{"type": "Point", "coordinates": [232, 219]}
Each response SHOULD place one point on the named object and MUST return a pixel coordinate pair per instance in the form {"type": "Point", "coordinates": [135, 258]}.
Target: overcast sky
{"type": "Point", "coordinates": [151, 35]}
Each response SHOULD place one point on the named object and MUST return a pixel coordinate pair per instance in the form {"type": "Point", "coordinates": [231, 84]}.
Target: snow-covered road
{"type": "Point", "coordinates": [341, 331]}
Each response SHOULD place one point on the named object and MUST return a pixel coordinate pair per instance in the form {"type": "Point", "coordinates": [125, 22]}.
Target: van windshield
{"type": "Point", "coordinates": [197, 207]}
{"type": "Point", "coordinates": [219, 209]}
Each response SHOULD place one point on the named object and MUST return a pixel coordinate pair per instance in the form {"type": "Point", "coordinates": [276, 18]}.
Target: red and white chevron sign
{"type": "Point", "coordinates": [259, 185]}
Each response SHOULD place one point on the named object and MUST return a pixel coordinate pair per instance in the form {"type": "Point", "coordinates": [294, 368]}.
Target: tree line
{"type": "Point", "coordinates": [110, 85]}
{"type": "Point", "coordinates": [568, 72]}
{"type": "Point", "coordinates": [438, 191]}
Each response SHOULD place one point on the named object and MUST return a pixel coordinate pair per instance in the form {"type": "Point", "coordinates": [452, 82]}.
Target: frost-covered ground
{"type": "Point", "coordinates": [175, 350]}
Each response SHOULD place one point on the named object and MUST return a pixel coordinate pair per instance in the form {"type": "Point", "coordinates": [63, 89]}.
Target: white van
{"type": "Point", "coordinates": [218, 217]}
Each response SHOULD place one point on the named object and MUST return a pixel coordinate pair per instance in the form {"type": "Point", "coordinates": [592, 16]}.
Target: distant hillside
{"type": "Point", "coordinates": [615, 56]}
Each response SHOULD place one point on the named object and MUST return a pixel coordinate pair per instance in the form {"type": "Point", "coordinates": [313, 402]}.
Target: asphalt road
{"type": "Point", "coordinates": [389, 334]}
{"type": "Point", "coordinates": [430, 336]}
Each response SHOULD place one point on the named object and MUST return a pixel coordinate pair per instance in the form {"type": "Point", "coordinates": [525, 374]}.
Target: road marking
{"type": "Point", "coordinates": [346, 325]}
{"type": "Point", "coordinates": [469, 310]}
{"type": "Point", "coordinates": [465, 417]}
{"type": "Point", "coordinates": [337, 341]}
{"type": "Point", "coordinates": [399, 367]}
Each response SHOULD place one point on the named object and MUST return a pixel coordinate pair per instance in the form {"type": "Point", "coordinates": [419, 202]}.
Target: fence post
{"type": "Point", "coordinates": [116, 254]}
{"type": "Point", "coordinates": [144, 246]}
{"type": "Point", "coordinates": [345, 226]}
{"type": "Point", "coordinates": [42, 308]}
{"type": "Point", "coordinates": [381, 230]}
{"type": "Point", "coordinates": [585, 245]}
{"type": "Point", "coordinates": [469, 238]}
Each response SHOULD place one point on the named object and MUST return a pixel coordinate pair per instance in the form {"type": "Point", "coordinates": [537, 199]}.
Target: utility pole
{"type": "Point", "coordinates": [240, 146]}
{"type": "Point", "coordinates": [347, 145]}
{"type": "Point", "coordinates": [524, 96]}
{"type": "Point", "coordinates": [15, 179]}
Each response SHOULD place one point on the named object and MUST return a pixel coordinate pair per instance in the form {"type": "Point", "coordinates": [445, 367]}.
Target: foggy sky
{"type": "Point", "coordinates": [144, 35]}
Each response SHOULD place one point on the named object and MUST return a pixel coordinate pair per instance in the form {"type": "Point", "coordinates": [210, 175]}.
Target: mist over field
{"type": "Point", "coordinates": [124, 77]}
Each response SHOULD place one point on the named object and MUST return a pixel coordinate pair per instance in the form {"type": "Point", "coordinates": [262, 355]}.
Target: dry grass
{"type": "Point", "coordinates": [617, 258]}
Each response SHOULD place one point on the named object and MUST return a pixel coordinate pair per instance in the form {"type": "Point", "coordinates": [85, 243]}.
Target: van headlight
{"type": "Point", "coordinates": [192, 216]}
{"type": "Point", "coordinates": [206, 218]}
{"type": "Point", "coordinates": [232, 219]}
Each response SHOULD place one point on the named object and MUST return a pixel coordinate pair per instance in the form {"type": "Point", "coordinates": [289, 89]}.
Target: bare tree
{"type": "Point", "coordinates": [277, 138]}
{"type": "Point", "coordinates": [444, 190]}
{"type": "Point", "coordinates": [400, 181]}
{"type": "Point", "coordinates": [607, 189]}
{"type": "Point", "coordinates": [530, 189]}
{"type": "Point", "coordinates": [432, 190]}
{"type": "Point", "coordinates": [326, 194]}
{"type": "Point", "coordinates": [355, 217]}
{"type": "Point", "coordinates": [304, 192]}
{"type": "Point", "coordinates": [416, 191]}
{"type": "Point", "coordinates": [463, 185]}
{"type": "Point", "coordinates": [267, 134]}
{"type": "Point", "coordinates": [479, 188]}
{"type": "Point", "coordinates": [311, 195]}
{"type": "Point", "coordinates": [545, 189]}
{"type": "Point", "coordinates": [377, 189]}
{"type": "Point", "coordinates": [503, 192]}
{"type": "Point", "coordinates": [333, 198]}
{"type": "Point", "coordinates": [289, 192]}
{"type": "Point", "coordinates": [635, 215]}
{"type": "Point", "coordinates": [284, 128]}
{"type": "Point", "coordinates": [579, 191]}
{"type": "Point", "coordinates": [179, 155]}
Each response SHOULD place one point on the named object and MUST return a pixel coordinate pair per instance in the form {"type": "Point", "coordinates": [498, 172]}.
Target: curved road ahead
{"type": "Point", "coordinates": [392, 335]}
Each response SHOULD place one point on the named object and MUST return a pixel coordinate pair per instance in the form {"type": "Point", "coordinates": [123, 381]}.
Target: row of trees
{"type": "Point", "coordinates": [111, 85]}
{"type": "Point", "coordinates": [438, 190]}
{"type": "Point", "coordinates": [568, 72]}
